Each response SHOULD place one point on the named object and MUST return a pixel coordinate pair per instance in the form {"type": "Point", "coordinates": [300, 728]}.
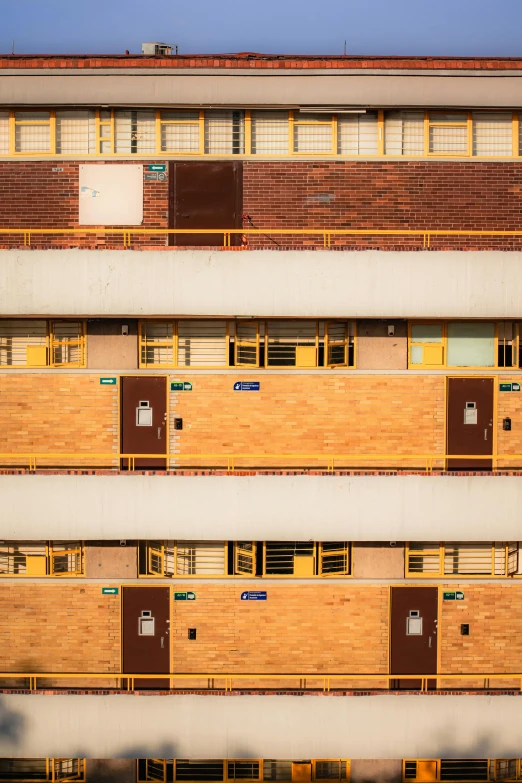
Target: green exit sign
{"type": "Point", "coordinates": [180, 386]}
{"type": "Point", "coordinates": [110, 590]}
{"type": "Point", "coordinates": [108, 381]}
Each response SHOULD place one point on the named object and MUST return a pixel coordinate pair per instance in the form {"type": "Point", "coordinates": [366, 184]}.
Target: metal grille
{"type": "Point", "coordinates": [75, 132]}
{"type": "Point", "coordinates": [285, 341]}
{"type": "Point", "coordinates": [337, 343]}
{"type": "Point", "coordinates": [224, 132]}
{"type": "Point", "coordinates": [66, 558]}
{"type": "Point", "coordinates": [243, 770]}
{"type": "Point", "coordinates": [334, 558]}
{"type": "Point", "coordinates": [23, 343]}
{"type": "Point", "coordinates": [180, 131]}
{"type": "Point", "coordinates": [67, 343]}
{"type": "Point", "coordinates": [357, 134]}
{"type": "Point", "coordinates": [269, 132]}
{"type": "Point", "coordinates": [507, 769]}
{"type": "Point", "coordinates": [4, 132]}
{"type": "Point", "coordinates": [313, 133]}
{"type": "Point", "coordinates": [285, 558]}
{"type": "Point", "coordinates": [199, 558]}
{"type": "Point", "coordinates": [462, 558]}
{"type": "Point", "coordinates": [277, 770]}
{"type": "Point", "coordinates": [202, 344]}
{"type": "Point", "coordinates": [448, 134]}
{"type": "Point", "coordinates": [245, 552]}
{"type": "Point", "coordinates": [24, 769]}
{"type": "Point", "coordinates": [247, 343]}
{"type": "Point", "coordinates": [507, 339]}
{"type": "Point", "coordinates": [23, 558]}
{"type": "Point", "coordinates": [199, 770]}
{"type": "Point", "coordinates": [68, 769]}
{"type": "Point", "coordinates": [330, 770]}
{"type": "Point", "coordinates": [157, 344]}
{"type": "Point", "coordinates": [464, 769]}
{"type": "Point", "coordinates": [492, 134]}
{"type": "Point", "coordinates": [32, 131]}
{"type": "Point", "coordinates": [404, 133]}
{"type": "Point", "coordinates": [135, 132]}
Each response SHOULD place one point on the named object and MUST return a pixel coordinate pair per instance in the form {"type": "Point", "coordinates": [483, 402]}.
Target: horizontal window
{"type": "Point", "coordinates": [244, 558]}
{"type": "Point", "coordinates": [41, 558]}
{"type": "Point", "coordinates": [40, 343]}
{"type": "Point", "coordinates": [223, 132]}
{"type": "Point", "coordinates": [193, 771]}
{"type": "Point", "coordinates": [440, 344]}
{"type": "Point", "coordinates": [450, 770]}
{"type": "Point", "coordinates": [19, 770]}
{"type": "Point", "coordinates": [252, 343]}
{"type": "Point", "coordinates": [499, 559]}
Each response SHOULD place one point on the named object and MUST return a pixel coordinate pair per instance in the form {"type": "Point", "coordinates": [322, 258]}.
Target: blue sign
{"type": "Point", "coordinates": [254, 595]}
{"type": "Point", "coordinates": [247, 386]}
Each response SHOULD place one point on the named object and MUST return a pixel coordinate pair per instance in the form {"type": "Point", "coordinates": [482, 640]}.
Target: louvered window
{"type": "Point", "coordinates": [492, 134]}
{"type": "Point", "coordinates": [404, 133]}
{"type": "Point", "coordinates": [180, 131]}
{"type": "Point", "coordinates": [357, 134]}
{"type": "Point", "coordinates": [313, 133]}
{"type": "Point", "coordinates": [75, 132]}
{"type": "Point", "coordinates": [269, 132]}
{"type": "Point", "coordinates": [224, 132]}
{"type": "Point", "coordinates": [33, 131]}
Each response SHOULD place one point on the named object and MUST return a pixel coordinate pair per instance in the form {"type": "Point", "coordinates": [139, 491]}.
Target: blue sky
{"type": "Point", "coordinates": [435, 27]}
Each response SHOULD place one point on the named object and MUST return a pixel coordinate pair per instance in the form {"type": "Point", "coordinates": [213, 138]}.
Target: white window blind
{"type": "Point", "coordinates": [269, 132]}
{"type": "Point", "coordinates": [75, 132]}
{"type": "Point", "coordinates": [180, 131]}
{"type": "Point", "coordinates": [4, 132]}
{"type": "Point", "coordinates": [224, 132]}
{"type": "Point", "coordinates": [357, 134]}
{"type": "Point", "coordinates": [492, 134]}
{"type": "Point", "coordinates": [404, 133]}
{"type": "Point", "coordinates": [33, 131]}
{"type": "Point", "coordinates": [135, 132]}
{"type": "Point", "coordinates": [202, 344]}
{"type": "Point", "coordinates": [312, 133]}
{"type": "Point", "coordinates": [448, 134]}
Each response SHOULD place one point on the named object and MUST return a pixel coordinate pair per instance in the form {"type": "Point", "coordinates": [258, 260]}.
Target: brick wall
{"type": "Point", "coordinates": [296, 193]}
{"type": "Point", "coordinates": [509, 405]}
{"type": "Point", "coordinates": [59, 628]}
{"type": "Point", "coordinates": [64, 413]}
{"type": "Point", "coordinates": [304, 414]}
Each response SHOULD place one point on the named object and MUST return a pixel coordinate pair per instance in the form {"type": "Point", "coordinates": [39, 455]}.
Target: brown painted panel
{"type": "Point", "coordinates": [136, 439]}
{"type": "Point", "coordinates": [470, 438]}
{"type": "Point", "coordinates": [150, 653]}
{"type": "Point", "coordinates": [205, 195]}
{"type": "Point", "coordinates": [413, 654]}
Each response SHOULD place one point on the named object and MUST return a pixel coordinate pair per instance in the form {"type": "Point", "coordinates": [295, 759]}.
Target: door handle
{"type": "Point", "coordinates": [162, 642]}
{"type": "Point", "coordinates": [485, 434]}
{"type": "Point", "coordinates": [159, 433]}
{"type": "Point", "coordinates": [429, 642]}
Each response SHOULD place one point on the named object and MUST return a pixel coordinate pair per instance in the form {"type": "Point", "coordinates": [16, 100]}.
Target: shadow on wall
{"type": "Point", "coordinates": [484, 746]}
{"type": "Point", "coordinates": [11, 727]}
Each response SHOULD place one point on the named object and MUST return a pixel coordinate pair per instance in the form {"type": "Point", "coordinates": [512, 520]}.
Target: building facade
{"type": "Point", "coordinates": [260, 420]}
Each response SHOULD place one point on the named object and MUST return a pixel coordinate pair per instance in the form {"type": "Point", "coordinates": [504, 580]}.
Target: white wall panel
{"type": "Point", "coordinates": [111, 195]}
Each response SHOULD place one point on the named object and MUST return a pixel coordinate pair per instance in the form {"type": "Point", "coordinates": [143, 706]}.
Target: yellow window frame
{"type": "Point", "coordinates": [77, 552]}
{"type": "Point", "coordinates": [143, 344]}
{"type": "Point", "coordinates": [315, 762]}
{"type": "Point", "coordinates": [242, 342]}
{"type": "Point", "coordinates": [51, 774]}
{"type": "Point", "coordinates": [294, 122]}
{"type": "Point", "coordinates": [155, 550]}
{"type": "Point", "coordinates": [346, 551]}
{"type": "Point", "coordinates": [440, 551]}
{"type": "Point", "coordinates": [515, 764]}
{"type": "Point", "coordinates": [245, 555]}
{"type": "Point", "coordinates": [345, 342]}
{"type": "Point", "coordinates": [161, 123]}
{"type": "Point", "coordinates": [430, 123]}
{"type": "Point", "coordinates": [317, 557]}
{"type": "Point", "coordinates": [161, 768]}
{"type": "Point", "coordinates": [297, 365]}
{"type": "Point", "coordinates": [444, 344]}
{"type": "Point", "coordinates": [78, 343]}
{"type": "Point", "coordinates": [42, 565]}
{"type": "Point", "coordinates": [15, 123]}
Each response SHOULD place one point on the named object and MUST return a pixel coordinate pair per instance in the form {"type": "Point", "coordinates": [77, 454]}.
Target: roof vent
{"type": "Point", "coordinates": [155, 47]}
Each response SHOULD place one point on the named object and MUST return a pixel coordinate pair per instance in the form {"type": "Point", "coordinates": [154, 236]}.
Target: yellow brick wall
{"type": "Point", "coordinates": [305, 414]}
{"type": "Point", "coordinates": [509, 405]}
{"type": "Point", "coordinates": [59, 628]}
{"type": "Point", "coordinates": [57, 413]}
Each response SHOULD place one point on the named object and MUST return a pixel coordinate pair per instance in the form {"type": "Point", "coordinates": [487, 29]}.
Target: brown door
{"type": "Point", "coordinates": [146, 628]}
{"type": "Point", "coordinates": [470, 421]}
{"type": "Point", "coordinates": [413, 633]}
{"type": "Point", "coordinates": [144, 420]}
{"type": "Point", "coordinates": [205, 195]}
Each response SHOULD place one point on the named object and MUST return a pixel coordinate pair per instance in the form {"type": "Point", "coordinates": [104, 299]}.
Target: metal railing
{"type": "Point", "coordinates": [427, 463]}
{"type": "Point", "coordinates": [325, 234]}
{"type": "Point", "coordinates": [303, 681]}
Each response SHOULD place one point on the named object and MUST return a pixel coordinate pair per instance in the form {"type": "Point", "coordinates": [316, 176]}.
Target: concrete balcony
{"type": "Point", "coordinates": [260, 507]}
{"type": "Point", "coordinates": [293, 283]}
{"type": "Point", "coordinates": [194, 726]}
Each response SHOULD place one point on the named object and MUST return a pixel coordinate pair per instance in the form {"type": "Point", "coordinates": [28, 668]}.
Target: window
{"type": "Point", "coordinates": [224, 132]}
{"type": "Point", "coordinates": [492, 134]}
{"type": "Point", "coordinates": [184, 558]}
{"type": "Point", "coordinates": [404, 133]}
{"type": "Point", "coordinates": [246, 344]}
{"type": "Point", "coordinates": [184, 344]}
{"type": "Point", "coordinates": [313, 133]}
{"type": "Point", "coordinates": [449, 558]}
{"type": "Point", "coordinates": [507, 769]}
{"type": "Point", "coordinates": [135, 132]}
{"type": "Point", "coordinates": [39, 343]}
{"type": "Point", "coordinates": [305, 558]}
{"type": "Point", "coordinates": [41, 558]}
{"type": "Point", "coordinates": [448, 134]}
{"type": "Point", "coordinates": [357, 134]}
{"type": "Point", "coordinates": [193, 771]}
{"type": "Point", "coordinates": [269, 132]}
{"type": "Point", "coordinates": [180, 131]}
{"type": "Point", "coordinates": [20, 770]}
{"type": "Point", "coordinates": [33, 131]}
{"type": "Point", "coordinates": [292, 344]}
{"type": "Point", "coordinates": [105, 142]}
{"type": "Point", "coordinates": [4, 132]}
{"type": "Point", "coordinates": [75, 132]}
{"type": "Point", "coordinates": [464, 344]}
{"type": "Point", "coordinates": [451, 770]}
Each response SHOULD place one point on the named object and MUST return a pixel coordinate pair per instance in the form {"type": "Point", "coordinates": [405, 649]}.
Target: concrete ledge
{"type": "Point", "coordinates": [261, 507]}
{"type": "Point", "coordinates": [320, 284]}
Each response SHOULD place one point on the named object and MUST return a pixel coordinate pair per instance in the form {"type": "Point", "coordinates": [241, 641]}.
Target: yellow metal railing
{"type": "Point", "coordinates": [325, 233]}
{"type": "Point", "coordinates": [238, 461]}
{"type": "Point", "coordinates": [303, 681]}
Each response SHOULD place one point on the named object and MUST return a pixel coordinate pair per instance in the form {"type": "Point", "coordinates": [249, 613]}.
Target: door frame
{"type": "Point", "coordinates": [171, 618]}
{"type": "Point", "coordinates": [440, 589]}
{"type": "Point", "coordinates": [481, 376]}
{"type": "Point", "coordinates": [145, 374]}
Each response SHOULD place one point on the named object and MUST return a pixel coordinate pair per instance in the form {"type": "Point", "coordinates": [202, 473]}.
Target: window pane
{"type": "Point", "coordinates": [4, 132]}
{"type": "Point", "coordinates": [492, 134]}
{"type": "Point", "coordinates": [426, 333]}
{"type": "Point", "coordinates": [75, 132]}
{"type": "Point", "coordinates": [202, 343]}
{"type": "Point", "coordinates": [35, 137]}
{"type": "Point", "coordinates": [180, 131]}
{"type": "Point", "coordinates": [200, 558]}
{"type": "Point", "coordinates": [269, 132]}
{"type": "Point", "coordinates": [135, 132]}
{"type": "Point", "coordinates": [23, 769]}
{"type": "Point", "coordinates": [404, 133]}
{"type": "Point", "coordinates": [199, 770]}
{"type": "Point", "coordinates": [224, 132]}
{"type": "Point", "coordinates": [357, 134]}
{"type": "Point", "coordinates": [312, 138]}
{"type": "Point", "coordinates": [448, 139]}
{"type": "Point", "coordinates": [23, 343]}
{"type": "Point", "coordinates": [471, 344]}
